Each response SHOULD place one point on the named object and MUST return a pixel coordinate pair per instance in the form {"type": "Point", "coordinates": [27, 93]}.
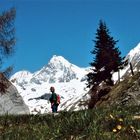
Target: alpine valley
{"type": "Point", "coordinates": [68, 79]}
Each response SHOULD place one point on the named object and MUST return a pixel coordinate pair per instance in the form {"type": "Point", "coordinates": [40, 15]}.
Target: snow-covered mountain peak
{"type": "Point", "coordinates": [21, 77]}
{"type": "Point", "coordinates": [135, 50]}
{"type": "Point", "coordinates": [134, 54]}
{"type": "Point", "coordinates": [68, 79]}
{"type": "Point", "coordinates": [23, 74]}
{"type": "Point", "coordinates": [57, 60]}
{"type": "Point", "coordinates": [57, 70]}
{"type": "Point", "coordinates": [59, 63]}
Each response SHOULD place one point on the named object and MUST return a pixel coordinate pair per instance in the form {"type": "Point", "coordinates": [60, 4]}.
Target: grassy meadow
{"type": "Point", "coordinates": [115, 123]}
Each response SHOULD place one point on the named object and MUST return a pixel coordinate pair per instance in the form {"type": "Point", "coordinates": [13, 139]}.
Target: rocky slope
{"type": "Point", "coordinates": [10, 100]}
{"type": "Point", "coordinates": [125, 93]}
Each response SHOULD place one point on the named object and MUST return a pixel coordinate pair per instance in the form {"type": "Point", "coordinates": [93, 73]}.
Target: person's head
{"type": "Point", "coordinates": [52, 89]}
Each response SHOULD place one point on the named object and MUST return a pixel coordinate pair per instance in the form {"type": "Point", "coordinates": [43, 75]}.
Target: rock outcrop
{"type": "Point", "coordinates": [97, 93]}
{"type": "Point", "coordinates": [125, 93]}
{"type": "Point", "coordinates": [10, 100]}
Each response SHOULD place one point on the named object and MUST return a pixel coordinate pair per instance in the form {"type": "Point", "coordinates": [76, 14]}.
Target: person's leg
{"type": "Point", "coordinates": [54, 108]}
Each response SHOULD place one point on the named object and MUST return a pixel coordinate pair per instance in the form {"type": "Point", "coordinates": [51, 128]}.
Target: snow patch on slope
{"type": "Point", "coordinates": [134, 54]}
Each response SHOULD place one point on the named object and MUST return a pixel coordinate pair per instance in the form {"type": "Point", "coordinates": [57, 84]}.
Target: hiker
{"type": "Point", "coordinates": [54, 100]}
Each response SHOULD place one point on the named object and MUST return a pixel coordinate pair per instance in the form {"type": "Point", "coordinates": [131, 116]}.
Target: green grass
{"type": "Point", "coordinates": [96, 124]}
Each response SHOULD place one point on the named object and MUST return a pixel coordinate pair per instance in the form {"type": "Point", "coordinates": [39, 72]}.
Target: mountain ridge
{"type": "Point", "coordinates": [68, 79]}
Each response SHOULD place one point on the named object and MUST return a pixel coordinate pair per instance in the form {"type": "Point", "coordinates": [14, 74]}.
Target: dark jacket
{"type": "Point", "coordinates": [53, 98]}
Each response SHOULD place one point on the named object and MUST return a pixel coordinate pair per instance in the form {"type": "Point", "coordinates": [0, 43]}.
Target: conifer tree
{"type": "Point", "coordinates": [7, 37]}
{"type": "Point", "coordinates": [106, 57]}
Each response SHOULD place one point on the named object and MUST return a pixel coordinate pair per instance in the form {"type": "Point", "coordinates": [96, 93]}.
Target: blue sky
{"type": "Point", "coordinates": [67, 27]}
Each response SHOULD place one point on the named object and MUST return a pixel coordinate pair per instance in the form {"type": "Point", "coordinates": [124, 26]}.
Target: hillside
{"type": "Point", "coordinates": [125, 93]}
{"type": "Point", "coordinates": [110, 120]}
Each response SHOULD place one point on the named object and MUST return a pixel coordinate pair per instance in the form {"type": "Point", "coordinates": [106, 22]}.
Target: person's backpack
{"type": "Point", "coordinates": [58, 99]}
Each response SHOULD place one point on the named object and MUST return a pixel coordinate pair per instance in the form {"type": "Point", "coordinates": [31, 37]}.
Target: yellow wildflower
{"type": "Point", "coordinates": [131, 127]}
{"type": "Point", "coordinates": [120, 119]}
{"type": "Point", "coordinates": [119, 127]}
{"type": "Point", "coordinates": [114, 130]}
{"type": "Point", "coordinates": [111, 116]}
